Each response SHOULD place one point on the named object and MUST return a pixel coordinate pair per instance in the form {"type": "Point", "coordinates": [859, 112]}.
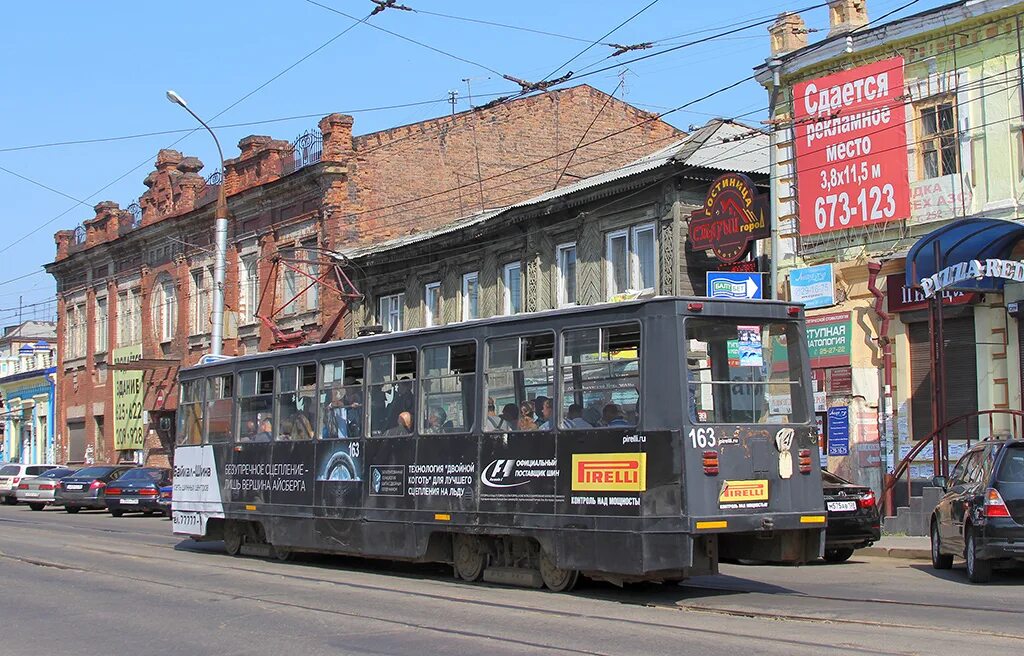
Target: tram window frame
{"type": "Point", "coordinates": [354, 422]}
{"type": "Point", "coordinates": [520, 390]}
{"type": "Point", "coordinates": [570, 371]}
{"type": "Point", "coordinates": [722, 410]}
{"type": "Point", "coordinates": [393, 379]}
{"type": "Point", "coordinates": [465, 382]}
{"type": "Point", "coordinates": [191, 399]}
{"type": "Point", "coordinates": [296, 380]}
{"type": "Point", "coordinates": [262, 379]}
{"type": "Point", "coordinates": [218, 399]}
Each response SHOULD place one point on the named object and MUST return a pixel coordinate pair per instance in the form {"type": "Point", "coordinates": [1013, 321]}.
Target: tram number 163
{"type": "Point", "coordinates": [702, 438]}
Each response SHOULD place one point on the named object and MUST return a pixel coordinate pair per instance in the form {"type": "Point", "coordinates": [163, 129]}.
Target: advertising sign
{"type": "Point", "coordinates": [609, 472]}
{"type": "Point", "coordinates": [938, 199]}
{"type": "Point", "coordinates": [902, 298]}
{"type": "Point", "coordinates": [851, 148]}
{"type": "Point", "coordinates": [128, 433]}
{"type": "Point", "coordinates": [838, 431]}
{"type": "Point", "coordinates": [733, 215]}
{"type": "Point", "coordinates": [972, 271]}
{"type": "Point", "coordinates": [828, 339]}
{"type": "Point", "coordinates": [814, 286]}
{"type": "Point", "coordinates": [727, 284]}
{"type": "Point", "coordinates": [743, 494]}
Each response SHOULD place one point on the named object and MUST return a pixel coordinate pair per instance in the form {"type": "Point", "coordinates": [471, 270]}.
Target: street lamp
{"type": "Point", "coordinates": [221, 239]}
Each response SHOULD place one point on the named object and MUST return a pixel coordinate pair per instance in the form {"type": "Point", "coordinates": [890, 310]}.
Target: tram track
{"type": "Point", "coordinates": [643, 599]}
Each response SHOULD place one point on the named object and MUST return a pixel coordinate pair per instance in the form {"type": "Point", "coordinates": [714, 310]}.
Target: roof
{"type": "Point", "coordinates": [720, 144]}
{"type": "Point", "coordinates": [962, 241]}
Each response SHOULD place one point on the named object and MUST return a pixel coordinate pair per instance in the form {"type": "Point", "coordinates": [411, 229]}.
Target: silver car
{"type": "Point", "coordinates": [38, 492]}
{"type": "Point", "coordinates": [11, 476]}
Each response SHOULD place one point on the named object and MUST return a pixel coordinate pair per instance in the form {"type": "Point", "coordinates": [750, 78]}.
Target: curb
{"type": "Point", "coordinates": [896, 552]}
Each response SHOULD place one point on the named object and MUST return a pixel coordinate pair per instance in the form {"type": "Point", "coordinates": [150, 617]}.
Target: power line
{"type": "Point", "coordinates": [46, 187]}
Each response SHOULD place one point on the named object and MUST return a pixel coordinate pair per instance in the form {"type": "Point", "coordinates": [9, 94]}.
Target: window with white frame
{"type": "Point", "coordinates": [630, 259]}
{"type": "Point", "coordinates": [937, 135]}
{"type": "Point", "coordinates": [471, 296]}
{"type": "Point", "coordinates": [249, 288]}
{"type": "Point", "coordinates": [74, 331]}
{"type": "Point", "coordinates": [200, 302]}
{"type": "Point", "coordinates": [513, 296]}
{"type": "Point", "coordinates": [312, 295]}
{"type": "Point", "coordinates": [565, 263]}
{"type": "Point", "coordinates": [165, 309]}
{"type": "Point", "coordinates": [129, 317]}
{"type": "Point", "coordinates": [392, 312]}
{"type": "Point", "coordinates": [431, 303]}
{"type": "Point", "coordinates": [100, 338]}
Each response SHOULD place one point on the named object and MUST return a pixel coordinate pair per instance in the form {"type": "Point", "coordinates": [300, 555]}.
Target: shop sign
{"type": "Point", "coordinates": [814, 286]}
{"type": "Point", "coordinates": [902, 298]}
{"type": "Point", "coordinates": [972, 270]}
{"type": "Point", "coordinates": [839, 431]}
{"type": "Point", "coordinates": [727, 284]}
{"type": "Point", "coordinates": [839, 380]}
{"type": "Point", "coordinates": [851, 153]}
{"type": "Point", "coordinates": [128, 429]}
{"type": "Point", "coordinates": [828, 339]}
{"type": "Point", "coordinates": [733, 215]}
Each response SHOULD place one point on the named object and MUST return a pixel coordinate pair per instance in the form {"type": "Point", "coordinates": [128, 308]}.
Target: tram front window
{"type": "Point", "coordinates": [741, 372]}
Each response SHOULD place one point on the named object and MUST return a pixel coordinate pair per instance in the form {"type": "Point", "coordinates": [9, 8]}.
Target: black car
{"type": "Point", "coordinates": [981, 515]}
{"type": "Point", "coordinates": [138, 490]}
{"type": "Point", "coordinates": [853, 519]}
{"type": "Point", "coordinates": [86, 487]}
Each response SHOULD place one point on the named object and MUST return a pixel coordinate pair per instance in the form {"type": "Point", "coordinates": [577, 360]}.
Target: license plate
{"type": "Point", "coordinates": [74, 487]}
{"type": "Point", "coordinates": [31, 494]}
{"type": "Point", "coordinates": [842, 506]}
{"type": "Point", "coordinates": [129, 502]}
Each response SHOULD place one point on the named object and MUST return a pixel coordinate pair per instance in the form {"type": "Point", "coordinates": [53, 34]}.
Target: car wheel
{"type": "Point", "coordinates": [71, 509]}
{"type": "Point", "coordinates": [939, 559]}
{"type": "Point", "coordinates": [978, 569]}
{"type": "Point", "coordinates": [10, 501]}
{"type": "Point", "coordinates": [115, 512]}
{"type": "Point", "coordinates": [37, 506]}
{"type": "Point", "coordinates": [838, 555]}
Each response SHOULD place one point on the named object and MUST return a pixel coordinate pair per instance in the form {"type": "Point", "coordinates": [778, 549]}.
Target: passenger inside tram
{"type": "Point", "coordinates": [509, 417]}
{"type": "Point", "coordinates": [574, 417]}
{"type": "Point", "coordinates": [526, 422]}
{"type": "Point", "coordinates": [403, 428]}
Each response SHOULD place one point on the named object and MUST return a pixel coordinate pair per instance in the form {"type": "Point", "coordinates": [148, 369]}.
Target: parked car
{"type": "Point", "coordinates": [85, 488]}
{"type": "Point", "coordinates": [981, 515]}
{"type": "Point", "coordinates": [138, 490]}
{"type": "Point", "coordinates": [11, 476]}
{"type": "Point", "coordinates": [39, 491]}
{"type": "Point", "coordinates": [853, 518]}
{"type": "Point", "coordinates": [166, 492]}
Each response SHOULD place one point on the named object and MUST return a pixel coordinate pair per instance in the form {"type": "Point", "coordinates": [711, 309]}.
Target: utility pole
{"type": "Point", "coordinates": [452, 97]}
{"type": "Point", "coordinates": [469, 88]}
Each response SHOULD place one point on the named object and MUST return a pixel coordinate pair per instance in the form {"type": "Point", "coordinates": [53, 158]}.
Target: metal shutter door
{"type": "Point", "coordinates": [961, 372]}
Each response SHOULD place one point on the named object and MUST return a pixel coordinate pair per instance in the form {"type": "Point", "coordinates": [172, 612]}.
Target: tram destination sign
{"type": "Point", "coordinates": [733, 215]}
{"type": "Point", "coordinates": [955, 274]}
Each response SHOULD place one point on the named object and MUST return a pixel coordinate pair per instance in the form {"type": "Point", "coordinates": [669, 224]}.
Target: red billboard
{"type": "Point", "coordinates": [851, 148]}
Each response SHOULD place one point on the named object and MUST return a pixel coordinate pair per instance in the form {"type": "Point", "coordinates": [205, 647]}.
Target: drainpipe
{"type": "Point", "coordinates": [888, 414]}
{"type": "Point", "coordinates": [51, 455]}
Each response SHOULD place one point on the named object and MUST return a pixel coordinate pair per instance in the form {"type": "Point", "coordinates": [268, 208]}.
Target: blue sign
{"type": "Point", "coordinates": [814, 286]}
{"type": "Point", "coordinates": [730, 284]}
{"type": "Point", "coordinates": [839, 431]}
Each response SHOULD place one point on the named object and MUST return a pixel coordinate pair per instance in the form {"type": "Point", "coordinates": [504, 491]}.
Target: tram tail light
{"type": "Point", "coordinates": [695, 307]}
{"type": "Point", "coordinates": [710, 459]}
{"type": "Point", "coordinates": [867, 500]}
{"type": "Point", "coordinates": [994, 504]}
{"type": "Point", "coordinates": [805, 460]}
{"type": "Point", "coordinates": [793, 311]}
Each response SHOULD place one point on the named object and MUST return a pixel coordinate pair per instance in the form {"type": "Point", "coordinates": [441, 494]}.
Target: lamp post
{"type": "Point", "coordinates": [220, 238]}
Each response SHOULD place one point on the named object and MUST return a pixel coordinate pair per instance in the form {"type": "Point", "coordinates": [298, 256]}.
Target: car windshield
{"type": "Point", "coordinates": [10, 470]}
{"type": "Point", "coordinates": [60, 472]}
{"type": "Point", "coordinates": [143, 475]}
{"type": "Point", "coordinates": [1012, 469]}
{"type": "Point", "coordinates": [94, 472]}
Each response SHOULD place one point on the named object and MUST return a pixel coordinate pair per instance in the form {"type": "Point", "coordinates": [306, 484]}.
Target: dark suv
{"type": "Point", "coordinates": [981, 515]}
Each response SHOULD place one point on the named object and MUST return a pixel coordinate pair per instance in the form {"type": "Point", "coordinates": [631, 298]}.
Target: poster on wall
{"type": "Point", "coordinates": [838, 431]}
{"type": "Point", "coordinates": [128, 433]}
{"type": "Point", "coordinates": [851, 148]}
{"type": "Point", "coordinates": [814, 286]}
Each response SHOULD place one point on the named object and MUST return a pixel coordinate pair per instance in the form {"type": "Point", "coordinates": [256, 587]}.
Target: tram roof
{"type": "Point", "coordinates": [598, 308]}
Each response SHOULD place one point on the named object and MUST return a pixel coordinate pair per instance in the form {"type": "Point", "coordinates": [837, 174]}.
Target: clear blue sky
{"type": "Point", "coordinates": [94, 70]}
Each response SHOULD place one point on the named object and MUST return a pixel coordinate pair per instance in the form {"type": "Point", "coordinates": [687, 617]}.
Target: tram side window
{"type": "Point", "coordinates": [190, 413]}
{"type": "Point", "coordinates": [341, 397]}
{"type": "Point", "coordinates": [449, 382]}
{"type": "Point", "coordinates": [256, 406]}
{"type": "Point", "coordinates": [392, 394]}
{"type": "Point", "coordinates": [519, 383]}
{"type": "Point", "coordinates": [601, 377]}
{"type": "Point", "coordinates": [220, 408]}
{"type": "Point", "coordinates": [744, 372]}
{"type": "Point", "coordinates": [296, 402]}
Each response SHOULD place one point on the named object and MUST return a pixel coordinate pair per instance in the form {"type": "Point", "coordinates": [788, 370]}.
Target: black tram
{"type": "Point", "coordinates": [641, 440]}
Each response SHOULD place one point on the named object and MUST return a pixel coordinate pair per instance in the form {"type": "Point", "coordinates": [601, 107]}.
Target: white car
{"type": "Point", "coordinates": [11, 475]}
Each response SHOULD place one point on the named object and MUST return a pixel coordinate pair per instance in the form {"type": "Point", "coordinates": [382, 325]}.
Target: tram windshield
{"type": "Point", "coordinates": [744, 372]}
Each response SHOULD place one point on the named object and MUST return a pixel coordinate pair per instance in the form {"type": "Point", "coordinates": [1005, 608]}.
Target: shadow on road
{"type": "Point", "coordinates": [1000, 577]}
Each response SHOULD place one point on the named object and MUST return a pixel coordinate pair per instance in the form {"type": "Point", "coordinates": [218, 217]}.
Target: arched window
{"type": "Point", "coordinates": [165, 308]}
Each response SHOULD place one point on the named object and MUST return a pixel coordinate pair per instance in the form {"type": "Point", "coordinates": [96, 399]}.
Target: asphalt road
{"type": "Point", "coordinates": [93, 584]}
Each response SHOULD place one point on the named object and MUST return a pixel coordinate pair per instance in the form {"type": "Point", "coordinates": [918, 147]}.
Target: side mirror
{"type": "Point", "coordinates": [940, 481]}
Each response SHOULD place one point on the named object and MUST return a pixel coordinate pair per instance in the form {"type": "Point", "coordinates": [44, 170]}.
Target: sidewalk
{"type": "Point", "coordinates": [899, 546]}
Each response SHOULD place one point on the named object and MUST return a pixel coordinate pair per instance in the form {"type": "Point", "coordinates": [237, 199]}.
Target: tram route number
{"type": "Point", "coordinates": [702, 438]}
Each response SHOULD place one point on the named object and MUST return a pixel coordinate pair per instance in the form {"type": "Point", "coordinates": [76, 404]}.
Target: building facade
{"type": "Point", "coordinates": [884, 134]}
{"type": "Point", "coordinates": [28, 389]}
{"type": "Point", "coordinates": [134, 285]}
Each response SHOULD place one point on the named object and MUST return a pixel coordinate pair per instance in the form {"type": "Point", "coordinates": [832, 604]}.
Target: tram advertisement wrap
{"type": "Point", "coordinates": [128, 429]}
{"type": "Point", "coordinates": [851, 148]}
{"type": "Point", "coordinates": [197, 490]}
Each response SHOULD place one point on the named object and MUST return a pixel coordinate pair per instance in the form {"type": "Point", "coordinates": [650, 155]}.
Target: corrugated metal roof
{"type": "Point", "coordinates": [398, 242]}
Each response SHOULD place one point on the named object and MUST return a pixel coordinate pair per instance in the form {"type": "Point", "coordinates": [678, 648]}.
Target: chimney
{"type": "Point", "coordinates": [337, 132]}
{"type": "Point", "coordinates": [788, 33]}
{"type": "Point", "coordinates": [846, 15]}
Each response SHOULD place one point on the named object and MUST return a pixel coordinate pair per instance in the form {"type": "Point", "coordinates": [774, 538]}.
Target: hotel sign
{"type": "Point", "coordinates": [733, 215]}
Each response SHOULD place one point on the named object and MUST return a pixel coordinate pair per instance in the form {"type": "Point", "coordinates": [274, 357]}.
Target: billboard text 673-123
{"type": "Point", "coordinates": [851, 148]}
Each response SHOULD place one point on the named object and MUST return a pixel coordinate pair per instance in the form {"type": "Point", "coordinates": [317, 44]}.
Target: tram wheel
{"type": "Point", "coordinates": [232, 538]}
{"type": "Point", "coordinates": [555, 578]}
{"type": "Point", "coordinates": [468, 557]}
{"type": "Point", "coordinates": [283, 554]}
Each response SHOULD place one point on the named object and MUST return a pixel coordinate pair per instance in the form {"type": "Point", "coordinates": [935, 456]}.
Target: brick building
{"type": "Point", "coordinates": [134, 284]}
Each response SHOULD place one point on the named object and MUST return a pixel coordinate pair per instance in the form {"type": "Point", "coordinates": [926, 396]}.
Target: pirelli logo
{"type": "Point", "coordinates": [743, 492]}
{"type": "Point", "coordinates": [609, 472]}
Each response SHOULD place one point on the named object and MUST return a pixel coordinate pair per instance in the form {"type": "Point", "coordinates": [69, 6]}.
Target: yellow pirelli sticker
{"type": "Point", "coordinates": [743, 493]}
{"type": "Point", "coordinates": [609, 472]}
